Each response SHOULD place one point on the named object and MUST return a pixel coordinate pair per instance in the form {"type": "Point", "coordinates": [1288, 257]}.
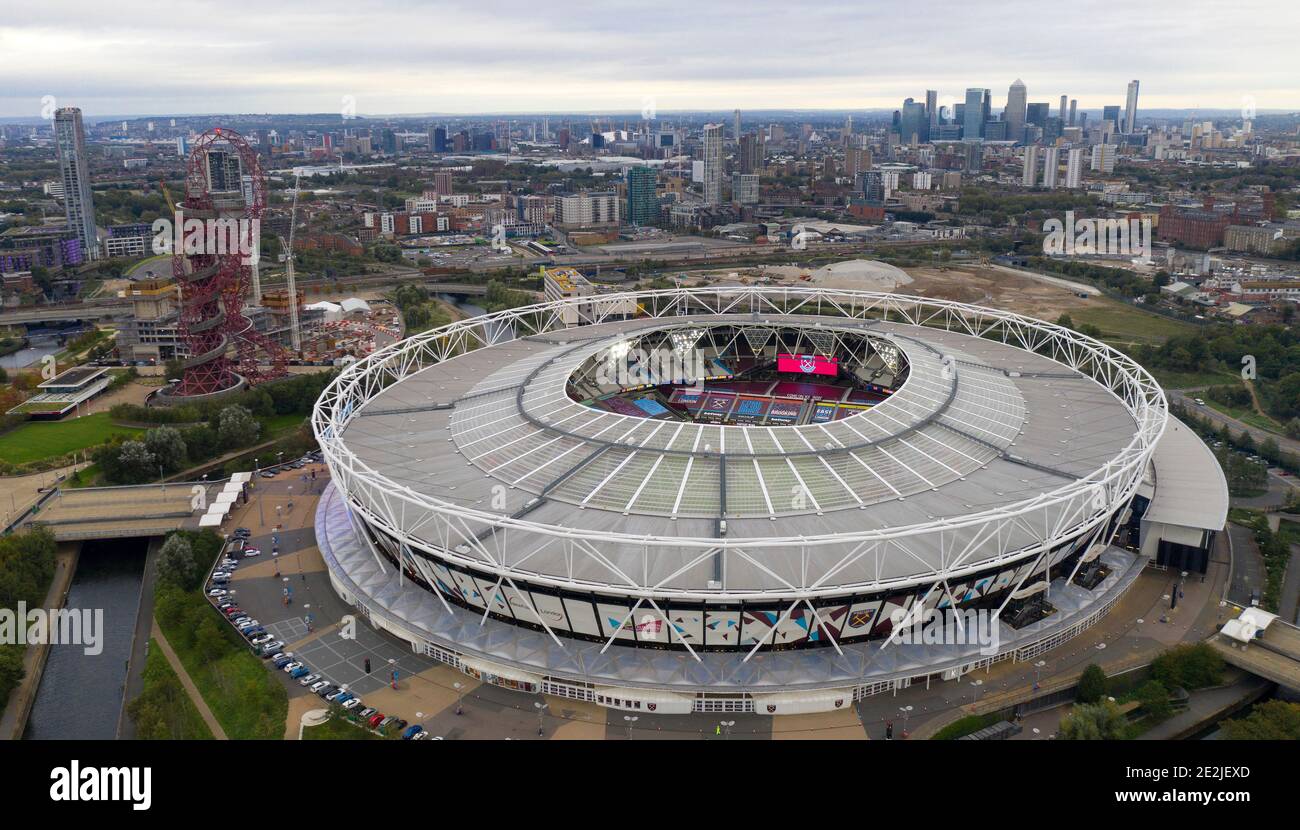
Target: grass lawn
{"type": "Point", "coordinates": [1193, 380]}
{"type": "Point", "coordinates": [248, 701]}
{"type": "Point", "coordinates": [273, 426]}
{"type": "Point", "coordinates": [1245, 415]}
{"type": "Point", "coordinates": [36, 440]}
{"type": "Point", "coordinates": [338, 729]}
{"type": "Point", "coordinates": [163, 711]}
{"type": "Point", "coordinates": [1123, 323]}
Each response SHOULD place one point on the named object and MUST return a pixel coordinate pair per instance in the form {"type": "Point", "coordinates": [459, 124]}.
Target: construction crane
{"type": "Point", "coordinates": [295, 336]}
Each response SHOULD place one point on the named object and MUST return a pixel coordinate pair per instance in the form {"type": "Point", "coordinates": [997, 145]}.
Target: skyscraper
{"type": "Point", "coordinates": [1065, 102]}
{"type": "Point", "coordinates": [1051, 165]}
{"type": "Point", "coordinates": [751, 152]}
{"type": "Point", "coordinates": [1074, 168]}
{"type": "Point", "coordinates": [932, 107]}
{"type": "Point", "coordinates": [642, 206]}
{"type": "Point", "coordinates": [913, 125]}
{"type": "Point", "coordinates": [1074, 108]}
{"type": "Point", "coordinates": [735, 116]}
{"type": "Point", "coordinates": [712, 164]}
{"type": "Point", "coordinates": [1014, 114]}
{"type": "Point", "coordinates": [78, 207]}
{"type": "Point", "coordinates": [1131, 108]}
{"type": "Point", "coordinates": [973, 126]}
{"type": "Point", "coordinates": [1029, 173]}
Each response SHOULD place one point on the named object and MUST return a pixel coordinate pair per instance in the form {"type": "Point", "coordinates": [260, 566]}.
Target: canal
{"type": "Point", "coordinates": [80, 695]}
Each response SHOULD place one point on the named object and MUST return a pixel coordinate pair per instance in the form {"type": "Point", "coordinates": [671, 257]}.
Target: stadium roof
{"type": "Point", "coordinates": [494, 430]}
{"type": "Point", "coordinates": [1184, 495]}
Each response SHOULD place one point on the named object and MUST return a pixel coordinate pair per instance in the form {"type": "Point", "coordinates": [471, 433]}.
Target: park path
{"type": "Point", "coordinates": [190, 689]}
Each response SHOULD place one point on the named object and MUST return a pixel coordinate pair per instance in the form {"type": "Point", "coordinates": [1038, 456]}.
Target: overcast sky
{"type": "Point", "coordinates": [413, 56]}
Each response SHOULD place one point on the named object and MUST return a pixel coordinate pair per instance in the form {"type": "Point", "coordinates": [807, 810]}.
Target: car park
{"type": "Point", "coordinates": [311, 680]}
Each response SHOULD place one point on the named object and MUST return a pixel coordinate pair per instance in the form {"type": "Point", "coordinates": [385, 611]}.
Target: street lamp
{"type": "Point", "coordinates": [726, 728]}
{"type": "Point", "coordinates": [541, 707]}
{"type": "Point", "coordinates": [460, 694]}
{"type": "Point", "coordinates": [629, 720]}
{"type": "Point", "coordinates": [906, 710]}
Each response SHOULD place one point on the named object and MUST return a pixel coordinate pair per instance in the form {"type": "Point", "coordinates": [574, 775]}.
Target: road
{"type": "Point", "coordinates": [1219, 419]}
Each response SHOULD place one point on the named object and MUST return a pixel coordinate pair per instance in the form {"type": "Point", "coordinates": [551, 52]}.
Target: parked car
{"type": "Point", "coordinates": [232, 611]}
{"type": "Point", "coordinates": [387, 722]}
{"type": "Point", "coordinates": [218, 592]}
{"type": "Point", "coordinates": [352, 703]}
{"type": "Point", "coordinates": [252, 552]}
{"type": "Point", "coordinates": [366, 713]}
{"type": "Point", "coordinates": [300, 672]}
{"type": "Point", "coordinates": [263, 640]}
{"type": "Point", "coordinates": [311, 680]}
{"type": "Point", "coordinates": [250, 633]}
{"type": "Point", "coordinates": [376, 719]}
{"type": "Point", "coordinates": [272, 648]}
{"type": "Point", "coordinates": [422, 735]}
{"type": "Point", "coordinates": [282, 659]}
{"type": "Point", "coordinates": [291, 666]}
{"type": "Point", "coordinates": [242, 533]}
{"type": "Point", "coordinates": [412, 731]}
{"type": "Point", "coordinates": [335, 695]}
{"type": "Point", "coordinates": [327, 690]}
{"type": "Point", "coordinates": [317, 685]}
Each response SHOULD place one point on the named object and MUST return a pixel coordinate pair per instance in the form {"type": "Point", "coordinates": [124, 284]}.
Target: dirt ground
{"type": "Point", "coordinates": [997, 288]}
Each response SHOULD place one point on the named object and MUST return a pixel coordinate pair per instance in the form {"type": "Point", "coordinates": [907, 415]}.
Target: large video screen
{"type": "Point", "coordinates": [807, 364]}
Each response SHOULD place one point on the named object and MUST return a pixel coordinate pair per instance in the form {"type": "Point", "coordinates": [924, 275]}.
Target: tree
{"type": "Point", "coordinates": [1273, 720]}
{"type": "Point", "coordinates": [236, 427]}
{"type": "Point", "coordinates": [1092, 684]}
{"type": "Point", "coordinates": [1101, 721]}
{"type": "Point", "coordinates": [1154, 698]}
{"type": "Point", "coordinates": [176, 563]}
{"type": "Point", "coordinates": [135, 461]}
{"type": "Point", "coordinates": [1189, 666]}
{"type": "Point", "coordinates": [167, 446]}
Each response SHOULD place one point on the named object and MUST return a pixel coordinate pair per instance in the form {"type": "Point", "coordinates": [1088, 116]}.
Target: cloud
{"type": "Point", "coordinates": [513, 56]}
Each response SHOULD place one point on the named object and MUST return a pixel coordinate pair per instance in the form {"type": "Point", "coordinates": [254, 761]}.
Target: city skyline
{"type": "Point", "coordinates": [453, 59]}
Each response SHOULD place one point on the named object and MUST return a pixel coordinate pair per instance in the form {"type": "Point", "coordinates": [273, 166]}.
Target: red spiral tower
{"type": "Point", "coordinates": [226, 193]}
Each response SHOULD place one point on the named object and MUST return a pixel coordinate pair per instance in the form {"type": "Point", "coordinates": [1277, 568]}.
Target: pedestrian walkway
{"type": "Point", "coordinates": [190, 689]}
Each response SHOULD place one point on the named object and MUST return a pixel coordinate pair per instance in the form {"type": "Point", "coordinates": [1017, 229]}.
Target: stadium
{"type": "Point", "coordinates": [736, 498]}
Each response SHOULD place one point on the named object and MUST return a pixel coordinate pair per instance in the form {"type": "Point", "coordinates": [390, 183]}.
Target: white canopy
{"type": "Point", "coordinates": [210, 520]}
{"type": "Point", "coordinates": [225, 497]}
{"type": "Point", "coordinates": [219, 508]}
